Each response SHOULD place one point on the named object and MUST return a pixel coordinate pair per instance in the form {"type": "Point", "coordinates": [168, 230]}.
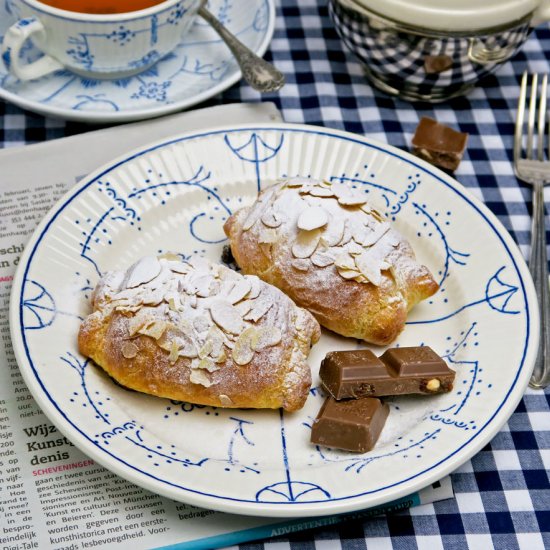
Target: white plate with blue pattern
{"type": "Point", "coordinates": [175, 195]}
{"type": "Point", "coordinates": [199, 68]}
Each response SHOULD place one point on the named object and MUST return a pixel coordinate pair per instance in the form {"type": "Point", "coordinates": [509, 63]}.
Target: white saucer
{"type": "Point", "coordinates": [199, 68]}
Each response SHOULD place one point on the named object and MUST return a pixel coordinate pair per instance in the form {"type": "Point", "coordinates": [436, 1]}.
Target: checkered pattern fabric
{"type": "Point", "coordinates": [502, 494]}
{"type": "Point", "coordinates": [398, 59]}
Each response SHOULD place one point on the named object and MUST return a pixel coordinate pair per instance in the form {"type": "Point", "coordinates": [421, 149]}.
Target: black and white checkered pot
{"type": "Point", "coordinates": [420, 64]}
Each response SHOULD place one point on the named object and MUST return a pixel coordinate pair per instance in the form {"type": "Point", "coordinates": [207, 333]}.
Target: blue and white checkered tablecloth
{"type": "Point", "coordinates": [502, 494]}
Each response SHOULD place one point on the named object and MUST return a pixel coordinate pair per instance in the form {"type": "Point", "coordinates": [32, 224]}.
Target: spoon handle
{"type": "Point", "coordinates": [260, 74]}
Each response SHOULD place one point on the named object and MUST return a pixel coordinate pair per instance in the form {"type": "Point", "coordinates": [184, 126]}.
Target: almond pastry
{"type": "Point", "coordinates": [333, 254]}
{"type": "Point", "coordinates": [199, 332]}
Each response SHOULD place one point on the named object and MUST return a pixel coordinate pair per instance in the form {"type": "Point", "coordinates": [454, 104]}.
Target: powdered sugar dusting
{"type": "Point", "coordinates": [203, 314]}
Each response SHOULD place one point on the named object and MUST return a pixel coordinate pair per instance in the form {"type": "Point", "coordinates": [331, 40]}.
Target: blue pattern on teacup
{"type": "Point", "coordinates": [197, 68]}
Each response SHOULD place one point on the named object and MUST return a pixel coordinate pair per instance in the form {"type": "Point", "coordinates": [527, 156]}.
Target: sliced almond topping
{"type": "Point", "coordinates": [188, 350]}
{"type": "Point", "coordinates": [358, 229]}
{"type": "Point", "coordinates": [313, 217]}
{"type": "Point", "coordinates": [153, 298]}
{"type": "Point", "coordinates": [155, 329]}
{"type": "Point", "coordinates": [300, 264]}
{"type": "Point", "coordinates": [322, 259]}
{"type": "Point", "coordinates": [334, 231]}
{"type": "Point", "coordinates": [221, 357]}
{"type": "Point", "coordinates": [178, 266]}
{"type": "Point", "coordinates": [339, 188]}
{"type": "Point", "coordinates": [348, 273]}
{"type": "Point", "coordinates": [113, 280]}
{"type": "Point", "coordinates": [272, 218]}
{"type": "Point", "coordinates": [393, 239]}
{"type": "Point", "coordinates": [354, 249]}
{"type": "Point", "coordinates": [366, 208]}
{"type": "Point", "coordinates": [242, 352]}
{"type": "Point", "coordinates": [253, 216]}
{"type": "Point", "coordinates": [255, 286]}
{"type": "Point", "coordinates": [306, 243]}
{"type": "Point", "coordinates": [174, 352]}
{"type": "Point", "coordinates": [202, 285]}
{"type": "Point", "coordinates": [129, 350]}
{"type": "Point", "coordinates": [215, 287]}
{"type": "Point", "coordinates": [225, 401]}
{"type": "Point", "coordinates": [206, 349]}
{"type": "Point", "coordinates": [128, 309]}
{"type": "Point", "coordinates": [170, 256]}
{"type": "Point", "coordinates": [226, 287]}
{"type": "Point", "coordinates": [376, 234]}
{"type": "Point", "coordinates": [268, 336]}
{"type": "Point", "coordinates": [261, 306]}
{"type": "Point", "coordinates": [376, 215]}
{"type": "Point", "coordinates": [345, 261]}
{"type": "Point", "coordinates": [201, 323]}
{"type": "Point", "coordinates": [226, 316]}
{"type": "Point", "coordinates": [347, 195]}
{"type": "Point", "coordinates": [321, 191]}
{"type": "Point", "coordinates": [207, 364]}
{"type": "Point", "coordinates": [297, 182]}
{"type": "Point", "coordinates": [244, 307]}
{"type": "Point", "coordinates": [352, 199]}
{"type": "Point", "coordinates": [347, 236]}
{"type": "Point", "coordinates": [229, 343]}
{"type": "Point", "coordinates": [138, 321]}
{"type": "Point", "coordinates": [143, 271]}
{"type": "Point", "coordinates": [239, 291]}
{"type": "Point", "coordinates": [198, 376]}
{"type": "Point", "coordinates": [216, 337]}
{"type": "Point", "coordinates": [369, 266]}
{"type": "Point", "coordinates": [268, 236]}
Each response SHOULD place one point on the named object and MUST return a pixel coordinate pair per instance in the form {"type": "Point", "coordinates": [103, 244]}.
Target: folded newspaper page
{"type": "Point", "coordinates": [51, 494]}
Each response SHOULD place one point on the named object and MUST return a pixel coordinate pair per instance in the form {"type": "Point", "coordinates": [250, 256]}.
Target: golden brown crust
{"type": "Point", "coordinates": [276, 375]}
{"type": "Point", "coordinates": [354, 307]}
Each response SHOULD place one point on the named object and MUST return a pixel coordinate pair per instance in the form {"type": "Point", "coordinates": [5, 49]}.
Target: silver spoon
{"type": "Point", "coordinates": [260, 74]}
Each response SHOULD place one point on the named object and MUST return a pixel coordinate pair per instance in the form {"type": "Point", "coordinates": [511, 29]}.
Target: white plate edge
{"type": "Point", "coordinates": [294, 509]}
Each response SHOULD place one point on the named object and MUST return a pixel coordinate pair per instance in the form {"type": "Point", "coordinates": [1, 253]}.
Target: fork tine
{"type": "Point", "coordinates": [542, 117]}
{"type": "Point", "coordinates": [531, 116]}
{"type": "Point", "coordinates": [520, 117]}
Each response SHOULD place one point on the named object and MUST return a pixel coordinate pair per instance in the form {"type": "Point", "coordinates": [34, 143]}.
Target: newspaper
{"type": "Point", "coordinates": [70, 502]}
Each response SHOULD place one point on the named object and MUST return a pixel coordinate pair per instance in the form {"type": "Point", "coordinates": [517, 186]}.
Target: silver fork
{"type": "Point", "coordinates": [535, 170]}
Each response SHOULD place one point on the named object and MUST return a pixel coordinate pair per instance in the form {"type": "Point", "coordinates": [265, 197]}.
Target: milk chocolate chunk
{"type": "Point", "coordinates": [352, 425]}
{"type": "Point", "coordinates": [351, 374]}
{"type": "Point", "coordinates": [399, 371]}
{"type": "Point", "coordinates": [438, 144]}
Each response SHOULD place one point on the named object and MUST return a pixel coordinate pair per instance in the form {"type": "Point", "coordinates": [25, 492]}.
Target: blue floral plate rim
{"type": "Point", "coordinates": [514, 381]}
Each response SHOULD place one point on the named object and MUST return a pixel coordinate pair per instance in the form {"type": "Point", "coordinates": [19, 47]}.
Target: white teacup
{"type": "Point", "coordinates": [92, 45]}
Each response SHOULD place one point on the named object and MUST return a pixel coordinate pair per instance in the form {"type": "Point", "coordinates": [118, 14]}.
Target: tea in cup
{"type": "Point", "coordinates": [95, 38]}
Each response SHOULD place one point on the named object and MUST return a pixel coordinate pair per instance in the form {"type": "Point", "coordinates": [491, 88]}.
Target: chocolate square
{"type": "Point", "coordinates": [346, 374]}
{"type": "Point", "coordinates": [414, 361]}
{"type": "Point", "coordinates": [352, 425]}
{"type": "Point", "coordinates": [399, 371]}
{"type": "Point", "coordinates": [418, 369]}
{"type": "Point", "coordinates": [438, 144]}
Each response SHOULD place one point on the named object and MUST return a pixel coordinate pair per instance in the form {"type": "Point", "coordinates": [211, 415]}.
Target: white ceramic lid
{"type": "Point", "coordinates": [457, 15]}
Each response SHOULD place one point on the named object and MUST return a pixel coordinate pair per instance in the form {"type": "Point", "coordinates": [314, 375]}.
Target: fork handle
{"type": "Point", "coordinates": [538, 265]}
